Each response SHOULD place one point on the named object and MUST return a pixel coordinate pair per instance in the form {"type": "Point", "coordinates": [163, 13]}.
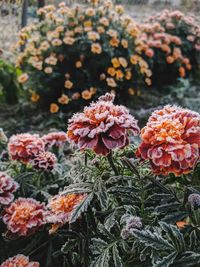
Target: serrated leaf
{"type": "Point", "coordinates": [110, 221]}
{"type": "Point", "coordinates": [188, 259]}
{"type": "Point", "coordinates": [166, 261]}
{"type": "Point", "coordinates": [102, 260]}
{"type": "Point", "coordinates": [153, 240]}
{"type": "Point", "coordinates": [175, 236]}
{"type": "Point", "coordinates": [116, 257]}
{"type": "Point", "coordinates": [80, 208]}
{"type": "Point", "coordinates": [122, 189]}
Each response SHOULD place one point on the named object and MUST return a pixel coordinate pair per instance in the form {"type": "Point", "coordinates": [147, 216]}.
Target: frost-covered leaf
{"type": "Point", "coordinates": [166, 261]}
{"type": "Point", "coordinates": [116, 257]}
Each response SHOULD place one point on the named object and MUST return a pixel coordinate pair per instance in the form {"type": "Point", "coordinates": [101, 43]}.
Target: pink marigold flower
{"type": "Point", "coordinates": [61, 207]}
{"type": "Point", "coordinates": [171, 140]}
{"type": "Point", "coordinates": [102, 126]}
{"type": "Point", "coordinates": [19, 261]}
{"type": "Point", "coordinates": [24, 216]}
{"type": "Point", "coordinates": [7, 187]}
{"type": "Point", "coordinates": [44, 161]}
{"type": "Point", "coordinates": [54, 139]}
{"type": "Point", "coordinates": [24, 147]}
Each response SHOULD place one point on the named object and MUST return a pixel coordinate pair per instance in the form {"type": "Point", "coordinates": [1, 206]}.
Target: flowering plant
{"type": "Point", "coordinates": [74, 54]}
{"type": "Point", "coordinates": [184, 27]}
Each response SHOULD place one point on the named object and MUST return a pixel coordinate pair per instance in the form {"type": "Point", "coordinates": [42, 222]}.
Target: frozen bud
{"type": "Point", "coordinates": [125, 233]}
{"type": "Point", "coordinates": [194, 200]}
{"type": "Point", "coordinates": [134, 222]}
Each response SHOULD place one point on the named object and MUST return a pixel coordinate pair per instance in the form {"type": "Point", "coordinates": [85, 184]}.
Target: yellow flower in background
{"type": "Point", "coordinates": [134, 59]}
{"type": "Point", "coordinates": [68, 40]}
{"type": "Point", "coordinates": [104, 21]}
{"type": "Point", "coordinates": [100, 29]}
{"type": "Point", "coordinates": [96, 48]}
{"type": "Point", "coordinates": [56, 42]}
{"type": "Point", "coordinates": [119, 74]}
{"type": "Point", "coordinates": [64, 99]}
{"type": "Point", "coordinates": [93, 90]}
{"type": "Point", "coordinates": [128, 75]}
{"type": "Point", "coordinates": [60, 28]}
{"type": "Point", "coordinates": [148, 81]}
{"type": "Point", "coordinates": [115, 62]}
{"type": "Point", "coordinates": [119, 9]}
{"type": "Point", "coordinates": [54, 108]}
{"type": "Point", "coordinates": [131, 91]}
{"type": "Point", "coordinates": [51, 60]}
{"type": "Point", "coordinates": [123, 62]}
{"type": "Point", "coordinates": [78, 64]}
{"type": "Point", "coordinates": [124, 43]}
{"type": "Point", "coordinates": [86, 94]}
{"type": "Point", "coordinates": [44, 45]}
{"type": "Point", "coordinates": [48, 70]}
{"type": "Point", "coordinates": [87, 24]}
{"type": "Point", "coordinates": [90, 12]}
{"type": "Point", "coordinates": [35, 97]}
{"type": "Point", "coordinates": [23, 78]}
{"type": "Point", "coordinates": [112, 33]}
{"type": "Point", "coordinates": [68, 84]}
{"type": "Point", "coordinates": [111, 82]}
{"type": "Point", "coordinates": [111, 71]}
{"type": "Point", "coordinates": [93, 36]}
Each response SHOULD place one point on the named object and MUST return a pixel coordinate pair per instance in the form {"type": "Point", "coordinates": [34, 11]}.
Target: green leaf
{"type": "Point", "coordinates": [81, 207]}
{"type": "Point", "coordinates": [102, 260]}
{"type": "Point", "coordinates": [116, 257]}
{"type": "Point", "coordinates": [166, 261]}
{"type": "Point", "coordinates": [174, 235]}
{"type": "Point", "coordinates": [153, 240]}
{"type": "Point", "coordinates": [188, 259]}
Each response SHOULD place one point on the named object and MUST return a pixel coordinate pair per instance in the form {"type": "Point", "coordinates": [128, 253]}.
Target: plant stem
{"type": "Point", "coordinates": [110, 160]}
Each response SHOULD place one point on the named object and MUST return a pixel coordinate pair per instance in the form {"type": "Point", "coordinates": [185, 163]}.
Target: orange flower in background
{"type": "Point", "coordinates": [170, 59]}
{"type": "Point", "coordinates": [64, 99]}
{"type": "Point", "coordinates": [181, 224]}
{"type": "Point", "coordinates": [182, 72]}
{"type": "Point", "coordinates": [23, 78]}
{"type": "Point", "coordinates": [86, 94]}
{"type": "Point", "coordinates": [115, 62]}
{"type": "Point", "coordinates": [111, 71]}
{"type": "Point", "coordinates": [54, 108]}
{"type": "Point", "coordinates": [24, 147]}
{"type": "Point", "coordinates": [171, 141]}
{"type": "Point", "coordinates": [19, 261]}
{"type": "Point", "coordinates": [24, 216]}
{"type": "Point", "coordinates": [102, 126]}
{"type": "Point", "coordinates": [96, 48]}
{"type": "Point", "coordinates": [35, 97]}
{"type": "Point", "coordinates": [68, 84]}
{"type": "Point", "coordinates": [61, 208]}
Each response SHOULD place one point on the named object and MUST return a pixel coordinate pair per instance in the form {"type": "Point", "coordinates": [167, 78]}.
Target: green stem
{"type": "Point", "coordinates": [110, 160]}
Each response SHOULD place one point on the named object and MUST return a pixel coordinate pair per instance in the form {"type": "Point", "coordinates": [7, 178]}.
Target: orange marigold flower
{"type": "Point", "coordinates": [171, 141]}
{"type": "Point", "coordinates": [54, 108]}
{"type": "Point", "coordinates": [96, 48]}
{"type": "Point", "coordinates": [24, 147]}
{"type": "Point", "coordinates": [61, 208]}
{"type": "Point", "coordinates": [19, 261]}
{"type": "Point", "coordinates": [170, 59]}
{"type": "Point", "coordinates": [35, 97]}
{"type": "Point", "coordinates": [64, 99]}
{"type": "Point", "coordinates": [102, 126]}
{"type": "Point", "coordinates": [86, 94]}
{"type": "Point", "coordinates": [24, 216]}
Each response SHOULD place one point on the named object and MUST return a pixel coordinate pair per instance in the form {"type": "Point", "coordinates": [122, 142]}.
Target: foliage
{"type": "Point", "coordinates": [9, 87]}
{"type": "Point", "coordinates": [74, 54]}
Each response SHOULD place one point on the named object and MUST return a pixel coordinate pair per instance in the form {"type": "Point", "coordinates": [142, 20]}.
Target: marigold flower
{"type": "Point", "coordinates": [19, 261]}
{"type": "Point", "coordinates": [111, 71]}
{"type": "Point", "coordinates": [86, 94]}
{"type": "Point", "coordinates": [171, 140]}
{"type": "Point", "coordinates": [64, 99]}
{"type": "Point", "coordinates": [96, 48]}
{"type": "Point", "coordinates": [44, 161]}
{"type": "Point", "coordinates": [35, 97]}
{"type": "Point", "coordinates": [115, 62]}
{"type": "Point", "coordinates": [68, 84]}
{"type": "Point", "coordinates": [114, 42]}
{"type": "Point", "coordinates": [123, 62]}
{"type": "Point", "coordinates": [7, 187]}
{"type": "Point", "coordinates": [61, 207]}
{"type": "Point", "coordinates": [48, 70]}
{"type": "Point", "coordinates": [57, 139]}
{"type": "Point", "coordinates": [102, 126]}
{"type": "Point", "coordinates": [23, 78]}
{"type": "Point", "coordinates": [24, 147]}
{"type": "Point", "coordinates": [54, 108]}
{"type": "Point", "coordinates": [181, 72]}
{"type": "Point", "coordinates": [181, 224]}
{"type": "Point", "coordinates": [24, 216]}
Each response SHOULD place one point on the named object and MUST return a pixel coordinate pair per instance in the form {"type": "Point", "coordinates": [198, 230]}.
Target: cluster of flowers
{"type": "Point", "coordinates": [170, 140]}
{"type": "Point", "coordinates": [185, 33]}
{"type": "Point", "coordinates": [32, 149]}
{"type": "Point", "coordinates": [79, 52]}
